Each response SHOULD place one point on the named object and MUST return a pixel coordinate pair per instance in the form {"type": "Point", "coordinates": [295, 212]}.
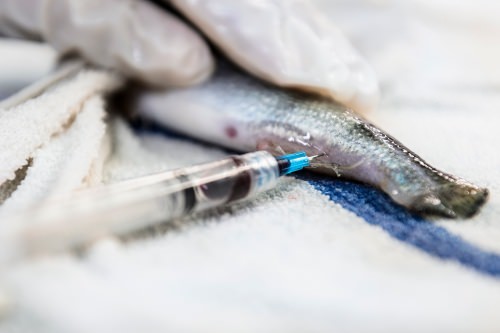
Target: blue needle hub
{"type": "Point", "coordinates": [292, 162]}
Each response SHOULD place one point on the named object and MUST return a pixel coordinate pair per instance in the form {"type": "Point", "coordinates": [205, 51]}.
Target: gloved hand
{"type": "Point", "coordinates": [285, 42]}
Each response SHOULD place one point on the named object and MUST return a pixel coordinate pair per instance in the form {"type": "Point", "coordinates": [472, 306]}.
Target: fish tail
{"type": "Point", "coordinates": [452, 197]}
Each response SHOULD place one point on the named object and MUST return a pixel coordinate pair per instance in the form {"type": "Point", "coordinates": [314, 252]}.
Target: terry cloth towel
{"type": "Point", "coordinates": [315, 254]}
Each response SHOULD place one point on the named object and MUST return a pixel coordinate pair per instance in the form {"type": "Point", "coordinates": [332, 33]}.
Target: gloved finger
{"type": "Point", "coordinates": [134, 37]}
{"type": "Point", "coordinates": [286, 42]}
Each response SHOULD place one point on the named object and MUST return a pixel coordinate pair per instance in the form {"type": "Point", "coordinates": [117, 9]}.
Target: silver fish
{"type": "Point", "coordinates": [240, 112]}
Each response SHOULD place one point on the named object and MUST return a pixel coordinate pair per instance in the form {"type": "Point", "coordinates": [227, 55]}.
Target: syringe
{"type": "Point", "coordinates": [134, 204]}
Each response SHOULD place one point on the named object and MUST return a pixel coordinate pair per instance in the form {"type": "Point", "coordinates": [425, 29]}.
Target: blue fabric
{"type": "Point", "coordinates": [378, 209]}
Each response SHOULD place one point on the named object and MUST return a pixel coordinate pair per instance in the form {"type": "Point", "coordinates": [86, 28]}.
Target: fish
{"type": "Point", "coordinates": [240, 112]}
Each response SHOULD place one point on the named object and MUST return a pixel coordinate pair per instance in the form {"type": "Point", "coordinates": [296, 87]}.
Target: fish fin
{"type": "Point", "coordinates": [338, 169]}
{"type": "Point", "coordinates": [453, 198]}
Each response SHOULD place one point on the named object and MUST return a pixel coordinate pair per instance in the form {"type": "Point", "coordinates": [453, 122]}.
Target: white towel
{"type": "Point", "coordinates": [316, 255]}
{"type": "Point", "coordinates": [63, 164]}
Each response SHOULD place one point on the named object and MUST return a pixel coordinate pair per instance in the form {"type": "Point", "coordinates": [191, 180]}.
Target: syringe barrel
{"type": "Point", "coordinates": [137, 203]}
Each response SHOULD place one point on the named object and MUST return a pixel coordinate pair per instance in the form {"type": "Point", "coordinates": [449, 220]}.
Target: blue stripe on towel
{"type": "Point", "coordinates": [378, 209]}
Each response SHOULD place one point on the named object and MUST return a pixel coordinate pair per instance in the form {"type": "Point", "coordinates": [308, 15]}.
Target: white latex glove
{"type": "Point", "coordinates": [285, 42]}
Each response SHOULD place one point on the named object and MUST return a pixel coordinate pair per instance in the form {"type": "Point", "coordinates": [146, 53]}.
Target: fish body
{"type": "Point", "coordinates": [240, 112]}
